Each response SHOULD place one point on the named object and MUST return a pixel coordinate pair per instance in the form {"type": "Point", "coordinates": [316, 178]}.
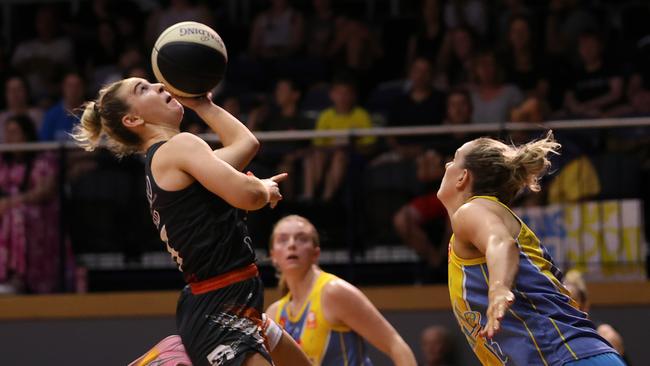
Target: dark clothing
{"type": "Point", "coordinates": [429, 47]}
{"type": "Point", "coordinates": [219, 325]}
{"type": "Point", "coordinates": [203, 233]}
{"type": "Point", "coordinates": [223, 327]}
{"type": "Point", "coordinates": [588, 85]}
{"type": "Point", "coordinates": [273, 151]}
{"type": "Point", "coordinates": [278, 122]}
{"type": "Point", "coordinates": [524, 80]}
{"type": "Point", "coordinates": [407, 112]}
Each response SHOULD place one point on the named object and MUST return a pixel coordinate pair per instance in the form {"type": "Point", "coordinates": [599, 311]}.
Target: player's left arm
{"type": "Point", "coordinates": [482, 227]}
{"type": "Point", "coordinates": [345, 304]}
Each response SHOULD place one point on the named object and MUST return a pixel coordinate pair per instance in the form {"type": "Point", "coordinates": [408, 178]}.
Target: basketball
{"type": "Point", "coordinates": [189, 58]}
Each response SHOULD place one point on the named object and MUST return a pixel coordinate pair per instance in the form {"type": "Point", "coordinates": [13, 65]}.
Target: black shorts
{"type": "Point", "coordinates": [223, 327]}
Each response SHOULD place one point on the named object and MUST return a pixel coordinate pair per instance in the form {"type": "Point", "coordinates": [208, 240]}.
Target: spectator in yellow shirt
{"type": "Point", "coordinates": [330, 154]}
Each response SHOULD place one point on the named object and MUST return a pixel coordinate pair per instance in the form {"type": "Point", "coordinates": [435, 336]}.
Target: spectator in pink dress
{"type": "Point", "coordinates": [29, 215]}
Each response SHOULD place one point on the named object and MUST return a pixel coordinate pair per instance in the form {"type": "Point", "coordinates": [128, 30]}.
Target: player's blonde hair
{"type": "Point", "coordinates": [102, 121]}
{"type": "Point", "coordinates": [503, 171]}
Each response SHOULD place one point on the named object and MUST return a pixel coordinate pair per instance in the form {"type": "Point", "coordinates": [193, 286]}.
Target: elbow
{"type": "Point", "coordinates": [261, 198]}
{"type": "Point", "coordinates": [251, 145]}
{"type": "Point", "coordinates": [254, 144]}
{"type": "Point", "coordinates": [257, 197]}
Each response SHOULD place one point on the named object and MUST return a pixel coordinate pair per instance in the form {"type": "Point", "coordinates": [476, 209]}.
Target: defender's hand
{"type": "Point", "coordinates": [500, 299]}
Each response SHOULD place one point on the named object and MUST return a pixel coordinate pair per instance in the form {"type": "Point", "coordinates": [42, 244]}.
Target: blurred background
{"type": "Point", "coordinates": [362, 102]}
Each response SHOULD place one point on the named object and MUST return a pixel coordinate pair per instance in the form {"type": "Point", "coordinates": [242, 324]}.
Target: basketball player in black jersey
{"type": "Point", "coordinates": [196, 196]}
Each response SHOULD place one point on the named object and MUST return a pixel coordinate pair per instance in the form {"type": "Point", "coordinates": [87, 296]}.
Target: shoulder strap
{"type": "Point", "coordinates": [494, 199]}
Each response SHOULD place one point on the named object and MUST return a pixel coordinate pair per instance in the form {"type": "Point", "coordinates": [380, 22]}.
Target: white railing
{"type": "Point", "coordinates": [582, 124]}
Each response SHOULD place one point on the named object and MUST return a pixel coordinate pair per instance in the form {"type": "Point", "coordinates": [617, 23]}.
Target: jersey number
{"type": "Point", "coordinates": [175, 255]}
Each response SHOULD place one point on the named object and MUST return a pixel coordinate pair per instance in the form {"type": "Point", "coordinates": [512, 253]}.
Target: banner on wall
{"type": "Point", "coordinates": [604, 239]}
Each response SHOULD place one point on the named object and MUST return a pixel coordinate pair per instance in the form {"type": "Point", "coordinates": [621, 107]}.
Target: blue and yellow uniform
{"type": "Point", "coordinates": [542, 327]}
{"type": "Point", "coordinates": [324, 343]}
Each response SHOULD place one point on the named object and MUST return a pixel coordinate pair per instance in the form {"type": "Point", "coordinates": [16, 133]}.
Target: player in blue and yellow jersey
{"type": "Point", "coordinates": [506, 292]}
{"type": "Point", "coordinates": [327, 316]}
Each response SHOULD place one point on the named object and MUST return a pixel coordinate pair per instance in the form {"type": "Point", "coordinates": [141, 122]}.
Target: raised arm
{"type": "Point", "coordinates": [344, 303]}
{"type": "Point", "coordinates": [239, 144]}
{"type": "Point", "coordinates": [188, 155]}
{"type": "Point", "coordinates": [480, 226]}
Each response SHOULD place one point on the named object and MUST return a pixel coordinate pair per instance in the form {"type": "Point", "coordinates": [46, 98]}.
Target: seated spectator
{"type": "Point", "coordinates": [412, 220]}
{"type": "Point", "coordinates": [329, 159]}
{"type": "Point", "coordinates": [320, 29]}
{"type": "Point", "coordinates": [523, 65]}
{"type": "Point", "coordinates": [492, 99]}
{"type": "Point", "coordinates": [467, 13]}
{"type": "Point", "coordinates": [355, 50]}
{"type": "Point", "coordinates": [596, 86]}
{"type": "Point", "coordinates": [176, 11]}
{"type": "Point", "coordinates": [29, 215]}
{"type": "Point", "coordinates": [459, 111]}
{"type": "Point", "coordinates": [284, 115]}
{"type": "Point", "coordinates": [638, 89]}
{"type": "Point", "coordinates": [276, 32]}
{"type": "Point", "coordinates": [312, 64]}
{"type": "Point", "coordinates": [509, 10]}
{"type": "Point", "coordinates": [565, 21]}
{"type": "Point", "coordinates": [427, 41]}
{"type": "Point", "coordinates": [104, 54]}
{"type": "Point", "coordinates": [575, 283]}
{"type": "Point", "coordinates": [456, 57]}
{"type": "Point", "coordinates": [437, 346]}
{"type": "Point", "coordinates": [18, 102]}
{"type": "Point", "coordinates": [59, 119]}
{"type": "Point", "coordinates": [422, 105]}
{"type": "Point", "coordinates": [43, 58]}
{"type": "Point", "coordinates": [524, 69]}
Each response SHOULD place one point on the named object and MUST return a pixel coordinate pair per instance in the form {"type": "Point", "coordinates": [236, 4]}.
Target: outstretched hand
{"type": "Point", "coordinates": [273, 188]}
{"type": "Point", "coordinates": [500, 298]}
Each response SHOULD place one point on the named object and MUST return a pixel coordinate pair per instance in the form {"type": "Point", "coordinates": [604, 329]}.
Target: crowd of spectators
{"type": "Point", "coordinates": [327, 64]}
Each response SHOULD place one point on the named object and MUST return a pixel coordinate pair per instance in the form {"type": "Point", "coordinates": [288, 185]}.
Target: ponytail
{"type": "Point", "coordinates": [503, 171]}
{"type": "Point", "coordinates": [89, 130]}
{"type": "Point", "coordinates": [102, 120]}
{"type": "Point", "coordinates": [530, 161]}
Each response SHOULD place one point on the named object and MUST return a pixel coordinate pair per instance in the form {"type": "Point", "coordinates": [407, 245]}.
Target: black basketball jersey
{"type": "Point", "coordinates": [204, 234]}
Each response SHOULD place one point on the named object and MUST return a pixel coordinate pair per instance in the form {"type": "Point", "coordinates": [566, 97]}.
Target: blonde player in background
{"type": "Point", "coordinates": [327, 316]}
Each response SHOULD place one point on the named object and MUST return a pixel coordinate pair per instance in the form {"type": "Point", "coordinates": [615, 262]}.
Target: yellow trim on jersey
{"type": "Point", "coordinates": [563, 339]}
{"type": "Point", "coordinates": [532, 337]}
{"type": "Point", "coordinates": [470, 321]}
{"type": "Point", "coordinates": [343, 350]}
{"type": "Point", "coordinates": [316, 331]}
{"type": "Point", "coordinates": [530, 334]}
{"type": "Point", "coordinates": [523, 294]}
{"type": "Point", "coordinates": [529, 244]}
{"type": "Point", "coordinates": [463, 261]}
